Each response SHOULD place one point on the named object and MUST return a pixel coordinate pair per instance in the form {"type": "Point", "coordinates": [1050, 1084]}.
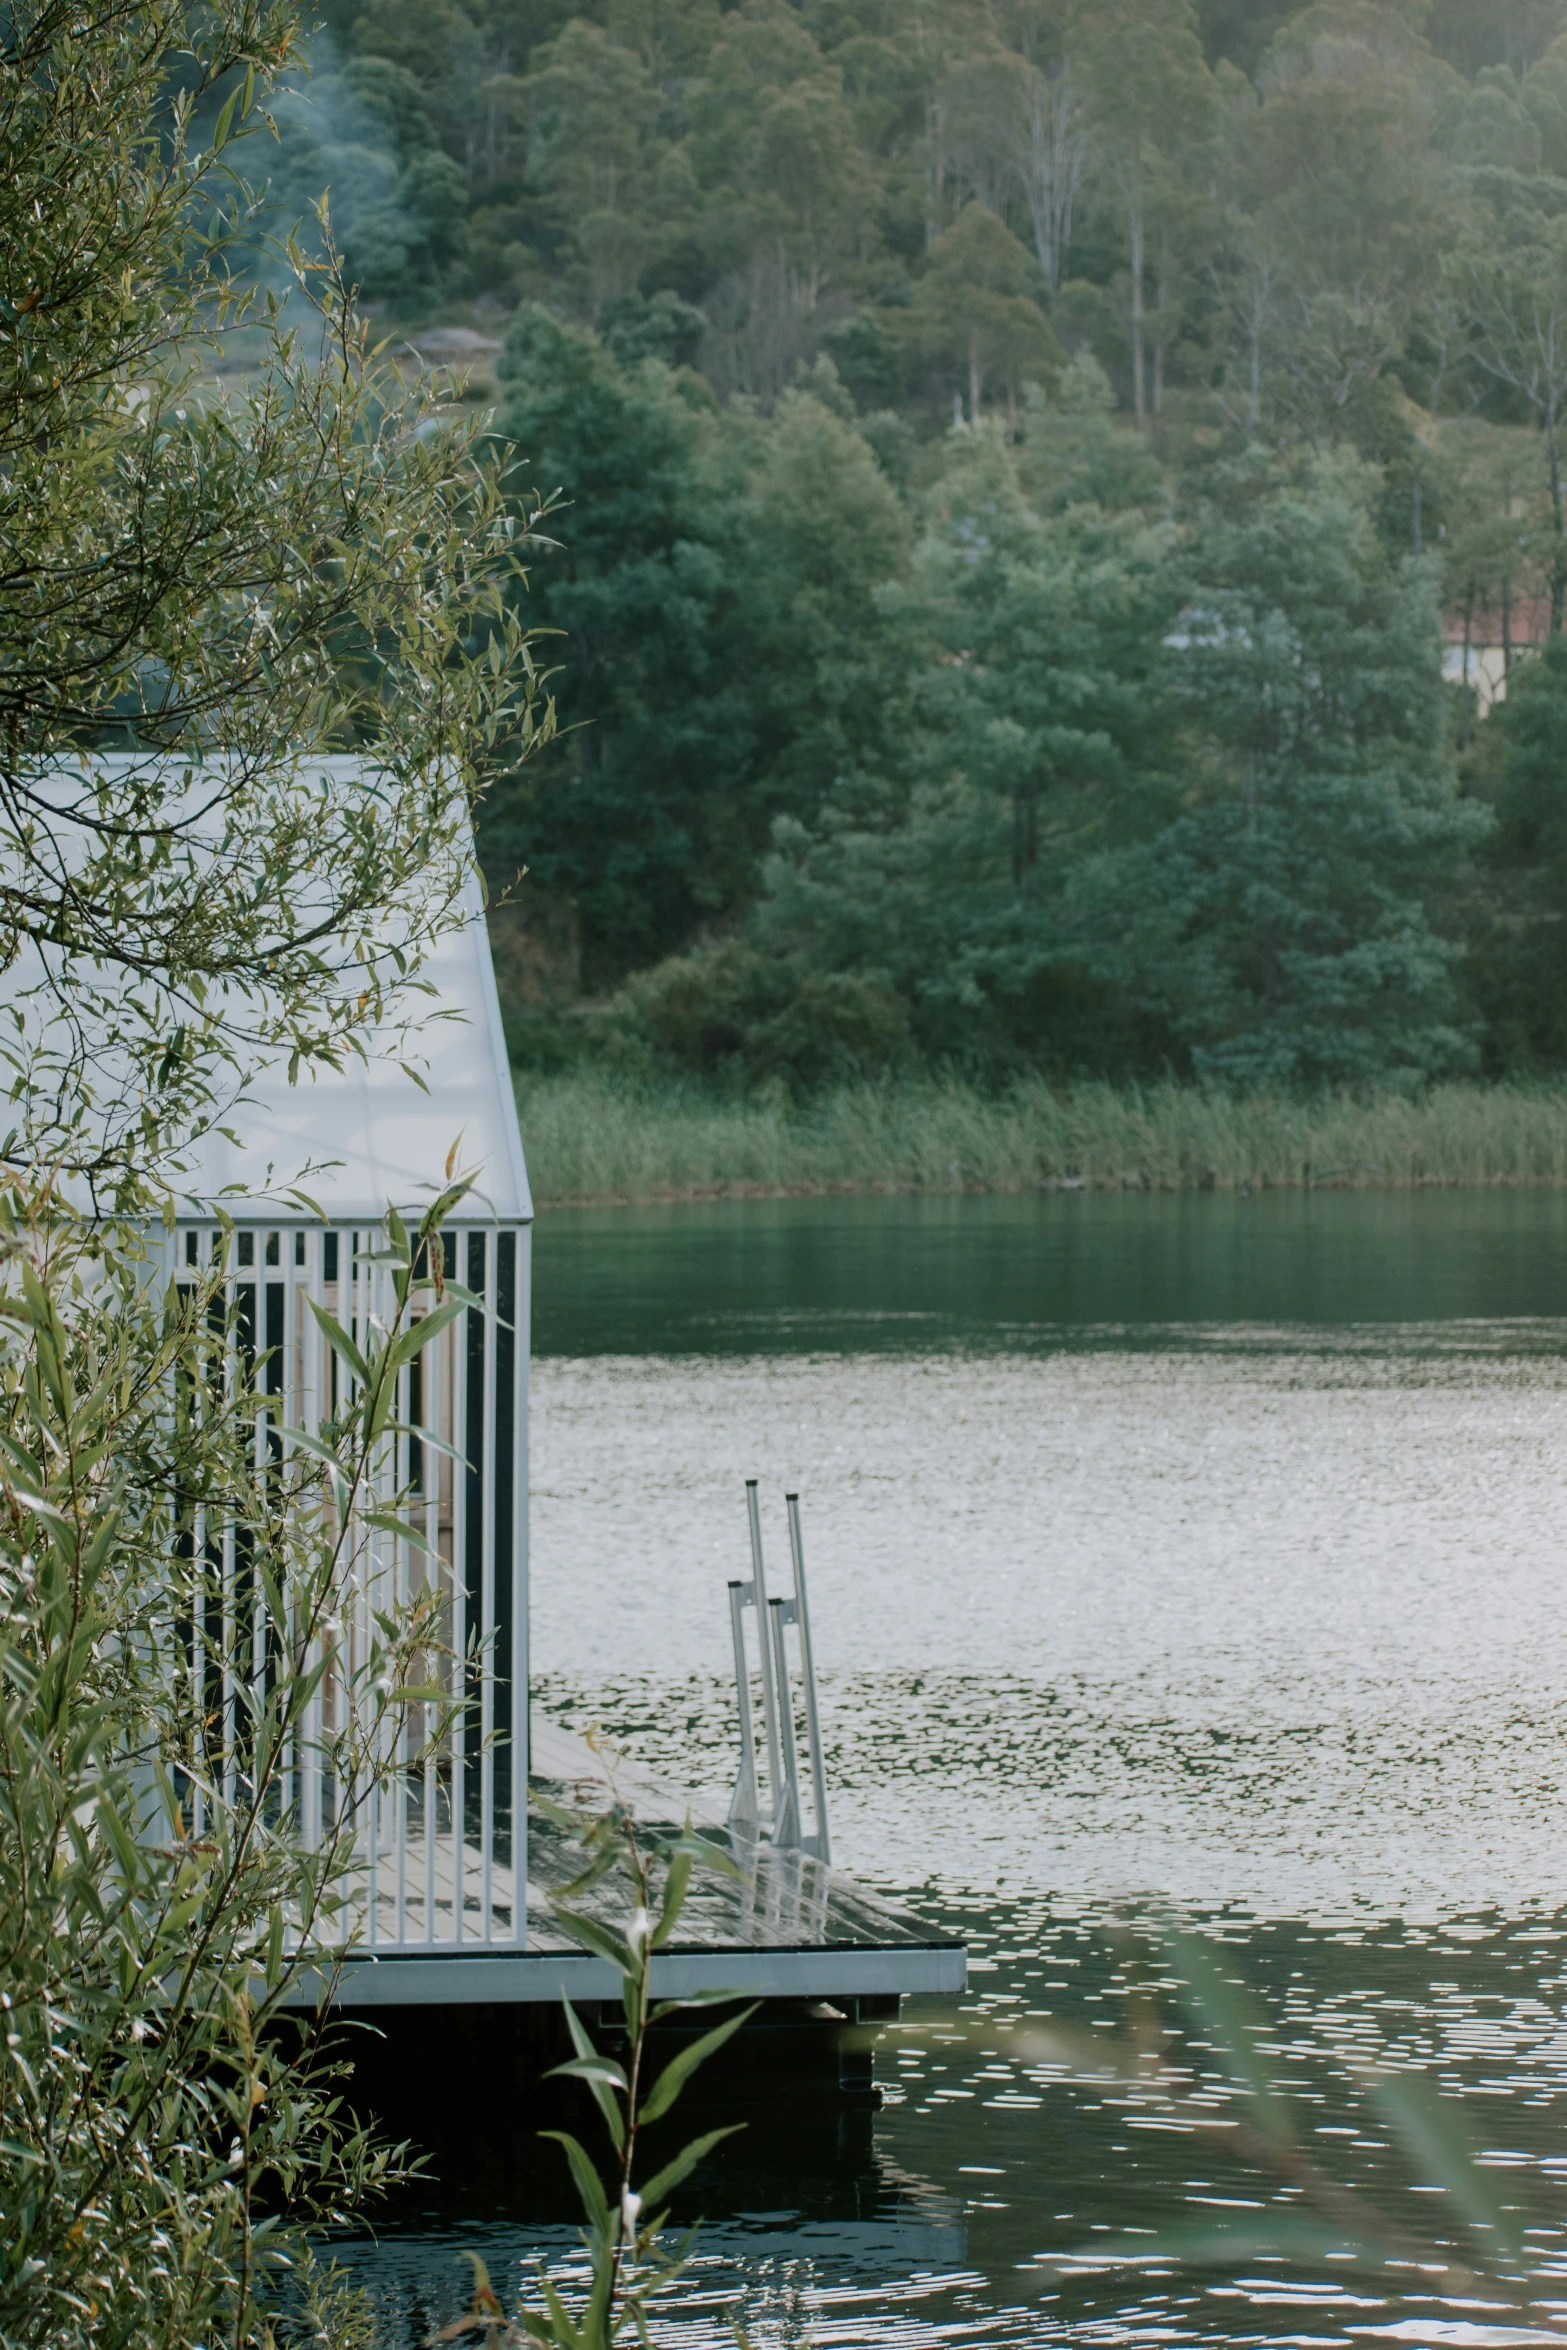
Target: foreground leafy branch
{"type": "Point", "coordinates": [160, 2110]}
{"type": "Point", "coordinates": [625, 2222]}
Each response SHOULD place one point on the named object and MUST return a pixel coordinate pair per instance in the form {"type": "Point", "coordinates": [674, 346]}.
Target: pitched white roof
{"type": "Point", "coordinates": [387, 1137]}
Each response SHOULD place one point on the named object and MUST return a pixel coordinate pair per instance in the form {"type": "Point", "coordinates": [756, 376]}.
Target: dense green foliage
{"type": "Point", "coordinates": [1016, 456]}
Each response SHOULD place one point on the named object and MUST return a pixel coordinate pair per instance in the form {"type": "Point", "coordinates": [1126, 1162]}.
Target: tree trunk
{"type": "Point", "coordinates": [1162, 294]}
{"type": "Point", "coordinates": [1507, 628]}
{"type": "Point", "coordinates": [1553, 452]}
{"type": "Point", "coordinates": [936, 176]}
{"type": "Point", "coordinates": [1049, 159]}
{"type": "Point", "coordinates": [975, 380]}
{"type": "Point", "coordinates": [1135, 239]}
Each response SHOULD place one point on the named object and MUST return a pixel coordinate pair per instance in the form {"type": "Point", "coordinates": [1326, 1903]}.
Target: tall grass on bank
{"type": "Point", "coordinates": [593, 1137]}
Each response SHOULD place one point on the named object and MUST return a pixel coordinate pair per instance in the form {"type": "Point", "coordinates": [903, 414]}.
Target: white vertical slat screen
{"type": "Point", "coordinates": [438, 1858]}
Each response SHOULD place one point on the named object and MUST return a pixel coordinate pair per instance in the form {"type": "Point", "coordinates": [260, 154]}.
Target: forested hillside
{"type": "Point", "coordinates": [1017, 459]}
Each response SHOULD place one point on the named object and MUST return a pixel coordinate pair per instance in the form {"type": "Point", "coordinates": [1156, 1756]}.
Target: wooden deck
{"type": "Point", "coordinates": [785, 1927]}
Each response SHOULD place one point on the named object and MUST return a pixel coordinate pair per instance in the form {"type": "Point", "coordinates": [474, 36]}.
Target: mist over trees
{"type": "Point", "coordinates": [1020, 463]}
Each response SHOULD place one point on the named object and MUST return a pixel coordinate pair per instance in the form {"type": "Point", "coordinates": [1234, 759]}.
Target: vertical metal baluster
{"type": "Point", "coordinates": [396, 1577]}
{"type": "Point", "coordinates": [459, 1621]}
{"type": "Point", "coordinates": [198, 1664]}
{"type": "Point", "coordinates": [491, 1663]}
{"type": "Point", "coordinates": [403, 1596]}
{"type": "Point", "coordinates": [389, 1577]}
{"type": "Point", "coordinates": [289, 1417]}
{"type": "Point", "coordinates": [312, 1412]}
{"type": "Point", "coordinates": [520, 1720]}
{"type": "Point", "coordinates": [820, 1843]}
{"type": "Point", "coordinates": [432, 1390]}
{"type": "Point", "coordinates": [227, 1546]}
{"type": "Point", "coordinates": [366, 1729]}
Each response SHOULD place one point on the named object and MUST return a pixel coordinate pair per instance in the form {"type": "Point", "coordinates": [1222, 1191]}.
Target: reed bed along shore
{"type": "Point", "coordinates": [596, 1139]}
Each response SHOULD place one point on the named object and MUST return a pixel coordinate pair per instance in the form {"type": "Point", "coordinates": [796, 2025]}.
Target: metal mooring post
{"type": "Point", "coordinates": [773, 1698]}
{"type": "Point", "coordinates": [745, 1815]}
{"type": "Point", "coordinates": [786, 1817]}
{"type": "Point", "coordinates": [820, 1843]}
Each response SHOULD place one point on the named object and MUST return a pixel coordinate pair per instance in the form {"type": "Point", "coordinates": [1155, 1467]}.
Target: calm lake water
{"type": "Point", "coordinates": [1186, 1559]}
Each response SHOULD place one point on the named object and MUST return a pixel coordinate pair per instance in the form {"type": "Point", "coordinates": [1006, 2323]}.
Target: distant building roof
{"type": "Point", "coordinates": [1528, 623]}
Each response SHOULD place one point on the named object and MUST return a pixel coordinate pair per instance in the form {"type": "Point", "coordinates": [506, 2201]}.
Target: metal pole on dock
{"type": "Point", "coordinates": [786, 1815]}
{"type": "Point", "coordinates": [772, 1699]}
{"type": "Point", "coordinates": [744, 1811]}
{"type": "Point", "coordinates": [820, 1842]}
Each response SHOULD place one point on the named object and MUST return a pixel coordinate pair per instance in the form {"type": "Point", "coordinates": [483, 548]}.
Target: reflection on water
{"type": "Point", "coordinates": [942, 2218]}
{"type": "Point", "coordinates": [1259, 1626]}
{"type": "Point", "coordinates": [1021, 1271]}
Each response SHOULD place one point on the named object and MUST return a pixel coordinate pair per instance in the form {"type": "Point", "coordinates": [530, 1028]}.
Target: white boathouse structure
{"type": "Point", "coordinates": [449, 1891]}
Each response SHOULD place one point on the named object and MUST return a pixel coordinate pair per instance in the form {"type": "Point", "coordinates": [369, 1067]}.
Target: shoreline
{"type": "Point", "coordinates": [697, 1196]}
{"type": "Point", "coordinates": [595, 1139]}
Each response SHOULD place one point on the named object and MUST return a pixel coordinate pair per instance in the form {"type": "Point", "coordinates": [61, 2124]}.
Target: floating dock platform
{"type": "Point", "coordinates": [786, 1927]}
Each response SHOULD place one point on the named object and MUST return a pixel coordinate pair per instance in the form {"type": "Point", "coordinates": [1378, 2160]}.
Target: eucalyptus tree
{"type": "Point", "coordinates": [1044, 731]}
{"type": "Point", "coordinates": [723, 655]}
{"type": "Point", "coordinates": [597, 157]}
{"type": "Point", "coordinates": [1339, 214]}
{"type": "Point", "coordinates": [1286, 920]}
{"type": "Point", "coordinates": [1517, 959]}
{"type": "Point", "coordinates": [1150, 95]}
{"type": "Point", "coordinates": [1514, 281]}
{"type": "Point", "coordinates": [1016, 126]}
{"type": "Point", "coordinates": [1049, 134]}
{"type": "Point", "coordinates": [788, 192]}
{"type": "Point", "coordinates": [976, 309]}
{"type": "Point", "coordinates": [635, 812]}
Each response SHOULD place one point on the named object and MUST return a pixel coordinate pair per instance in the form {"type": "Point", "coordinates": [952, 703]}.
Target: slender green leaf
{"type": "Point", "coordinates": [1430, 2127]}
{"type": "Point", "coordinates": [602, 1939]}
{"type": "Point", "coordinates": [676, 1883]}
{"type": "Point", "coordinates": [420, 1333]}
{"type": "Point", "coordinates": [603, 1864]}
{"type": "Point", "coordinates": [340, 1342]}
{"type": "Point", "coordinates": [589, 2185]}
{"type": "Point", "coordinates": [681, 2066]}
{"type": "Point", "coordinates": [225, 121]}
{"type": "Point", "coordinates": [1229, 2022]}
{"type": "Point", "coordinates": [602, 2075]}
{"type": "Point", "coordinates": [588, 2068]}
{"type": "Point", "coordinates": [388, 1522]}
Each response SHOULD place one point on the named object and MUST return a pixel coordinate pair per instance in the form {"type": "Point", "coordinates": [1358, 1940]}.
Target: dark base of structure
{"type": "Point", "coordinates": [415, 2065]}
